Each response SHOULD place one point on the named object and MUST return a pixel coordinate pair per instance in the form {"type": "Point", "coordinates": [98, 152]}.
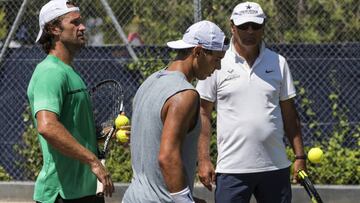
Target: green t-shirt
{"type": "Point", "coordinates": [56, 87]}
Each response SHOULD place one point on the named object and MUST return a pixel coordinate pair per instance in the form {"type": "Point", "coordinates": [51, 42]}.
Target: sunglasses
{"type": "Point", "coordinates": [246, 26]}
{"type": "Point", "coordinates": [72, 3]}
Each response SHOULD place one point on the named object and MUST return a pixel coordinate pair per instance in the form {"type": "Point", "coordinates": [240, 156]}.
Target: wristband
{"type": "Point", "coordinates": [184, 196]}
{"type": "Point", "coordinates": [301, 157]}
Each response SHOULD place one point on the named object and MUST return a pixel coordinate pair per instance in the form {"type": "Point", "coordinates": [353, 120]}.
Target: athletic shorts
{"type": "Point", "coordinates": [267, 187]}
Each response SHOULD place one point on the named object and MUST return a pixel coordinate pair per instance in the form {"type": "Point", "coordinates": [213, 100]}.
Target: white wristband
{"type": "Point", "coordinates": [184, 196]}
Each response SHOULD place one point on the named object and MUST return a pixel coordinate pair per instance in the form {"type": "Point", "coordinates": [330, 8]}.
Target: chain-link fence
{"type": "Point", "coordinates": [319, 39]}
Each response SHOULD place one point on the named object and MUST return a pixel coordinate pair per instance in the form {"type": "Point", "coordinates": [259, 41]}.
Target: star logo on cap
{"type": "Point", "coordinates": [248, 7]}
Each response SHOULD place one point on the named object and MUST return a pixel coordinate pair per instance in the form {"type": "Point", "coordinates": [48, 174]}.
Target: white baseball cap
{"type": "Point", "coordinates": [52, 10]}
{"type": "Point", "coordinates": [204, 33]}
{"type": "Point", "coordinates": [248, 12]}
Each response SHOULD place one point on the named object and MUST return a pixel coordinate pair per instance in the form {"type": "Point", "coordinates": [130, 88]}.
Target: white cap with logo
{"type": "Point", "coordinates": [203, 33]}
{"type": "Point", "coordinates": [248, 12]}
{"type": "Point", "coordinates": [52, 10]}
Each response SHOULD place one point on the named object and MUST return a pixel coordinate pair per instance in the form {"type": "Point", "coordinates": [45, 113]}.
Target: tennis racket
{"type": "Point", "coordinates": [107, 101]}
{"type": "Point", "coordinates": [309, 187]}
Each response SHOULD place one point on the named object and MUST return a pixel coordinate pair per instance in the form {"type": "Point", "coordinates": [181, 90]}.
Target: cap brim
{"type": "Point", "coordinates": [243, 20]}
{"type": "Point", "coordinates": [39, 36]}
{"type": "Point", "coordinates": [179, 44]}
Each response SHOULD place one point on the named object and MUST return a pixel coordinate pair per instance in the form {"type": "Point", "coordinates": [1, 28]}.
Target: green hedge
{"type": "Point", "coordinates": [29, 149]}
{"type": "Point", "coordinates": [4, 176]}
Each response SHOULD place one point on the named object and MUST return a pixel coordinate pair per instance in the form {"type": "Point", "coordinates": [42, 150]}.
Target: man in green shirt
{"type": "Point", "coordinates": [61, 109]}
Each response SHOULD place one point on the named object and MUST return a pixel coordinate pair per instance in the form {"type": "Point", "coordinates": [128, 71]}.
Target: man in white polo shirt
{"type": "Point", "coordinates": [253, 95]}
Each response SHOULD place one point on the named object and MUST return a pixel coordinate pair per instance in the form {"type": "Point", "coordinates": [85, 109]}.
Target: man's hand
{"type": "Point", "coordinates": [104, 176]}
{"type": "Point", "coordinates": [298, 164]}
{"type": "Point", "coordinates": [206, 173]}
{"type": "Point", "coordinates": [127, 130]}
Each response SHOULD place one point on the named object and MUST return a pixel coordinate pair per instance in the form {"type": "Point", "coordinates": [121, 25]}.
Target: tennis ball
{"type": "Point", "coordinates": [121, 136]}
{"type": "Point", "coordinates": [121, 120]}
{"type": "Point", "coordinates": [315, 155]}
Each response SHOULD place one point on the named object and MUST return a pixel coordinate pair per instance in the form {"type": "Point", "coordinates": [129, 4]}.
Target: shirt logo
{"type": "Point", "coordinates": [269, 71]}
{"type": "Point", "coordinates": [231, 77]}
{"type": "Point", "coordinates": [230, 71]}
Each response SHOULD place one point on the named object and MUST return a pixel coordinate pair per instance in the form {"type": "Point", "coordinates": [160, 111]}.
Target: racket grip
{"type": "Point", "coordinates": [99, 185]}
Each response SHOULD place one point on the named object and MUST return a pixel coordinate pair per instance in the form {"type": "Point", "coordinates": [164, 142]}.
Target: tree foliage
{"type": "Point", "coordinates": [3, 24]}
{"type": "Point", "coordinates": [289, 21]}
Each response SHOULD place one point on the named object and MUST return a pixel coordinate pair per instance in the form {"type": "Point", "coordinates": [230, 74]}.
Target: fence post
{"type": "Point", "coordinates": [13, 29]}
{"type": "Point", "coordinates": [119, 29]}
{"type": "Point", "coordinates": [197, 10]}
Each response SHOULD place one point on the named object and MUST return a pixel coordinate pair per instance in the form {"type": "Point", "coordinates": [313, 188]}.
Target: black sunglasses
{"type": "Point", "coordinates": [72, 3]}
{"type": "Point", "coordinates": [246, 26]}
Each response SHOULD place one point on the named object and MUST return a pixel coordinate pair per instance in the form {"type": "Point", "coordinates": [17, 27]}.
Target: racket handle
{"type": "Point", "coordinates": [99, 185]}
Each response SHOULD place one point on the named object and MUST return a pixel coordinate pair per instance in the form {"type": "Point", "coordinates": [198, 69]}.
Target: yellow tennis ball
{"type": "Point", "coordinates": [121, 136]}
{"type": "Point", "coordinates": [315, 155]}
{"type": "Point", "coordinates": [121, 120]}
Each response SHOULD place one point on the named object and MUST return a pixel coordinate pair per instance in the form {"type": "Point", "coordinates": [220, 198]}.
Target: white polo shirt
{"type": "Point", "coordinates": [249, 122]}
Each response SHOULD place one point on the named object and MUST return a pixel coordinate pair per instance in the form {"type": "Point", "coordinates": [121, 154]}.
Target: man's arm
{"type": "Point", "coordinates": [293, 131]}
{"type": "Point", "coordinates": [178, 115]}
{"type": "Point", "coordinates": [61, 139]}
{"type": "Point", "coordinates": [206, 170]}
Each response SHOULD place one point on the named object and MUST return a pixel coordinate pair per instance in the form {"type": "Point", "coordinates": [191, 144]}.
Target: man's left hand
{"type": "Point", "coordinates": [127, 130]}
{"type": "Point", "coordinates": [298, 164]}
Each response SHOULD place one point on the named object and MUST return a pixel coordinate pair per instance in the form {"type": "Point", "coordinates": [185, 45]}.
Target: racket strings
{"type": "Point", "coordinates": [107, 101]}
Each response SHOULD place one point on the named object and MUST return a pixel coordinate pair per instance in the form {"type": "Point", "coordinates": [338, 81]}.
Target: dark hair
{"type": "Point", "coordinates": [47, 38]}
{"type": "Point", "coordinates": [184, 52]}
{"type": "Point", "coordinates": [208, 51]}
